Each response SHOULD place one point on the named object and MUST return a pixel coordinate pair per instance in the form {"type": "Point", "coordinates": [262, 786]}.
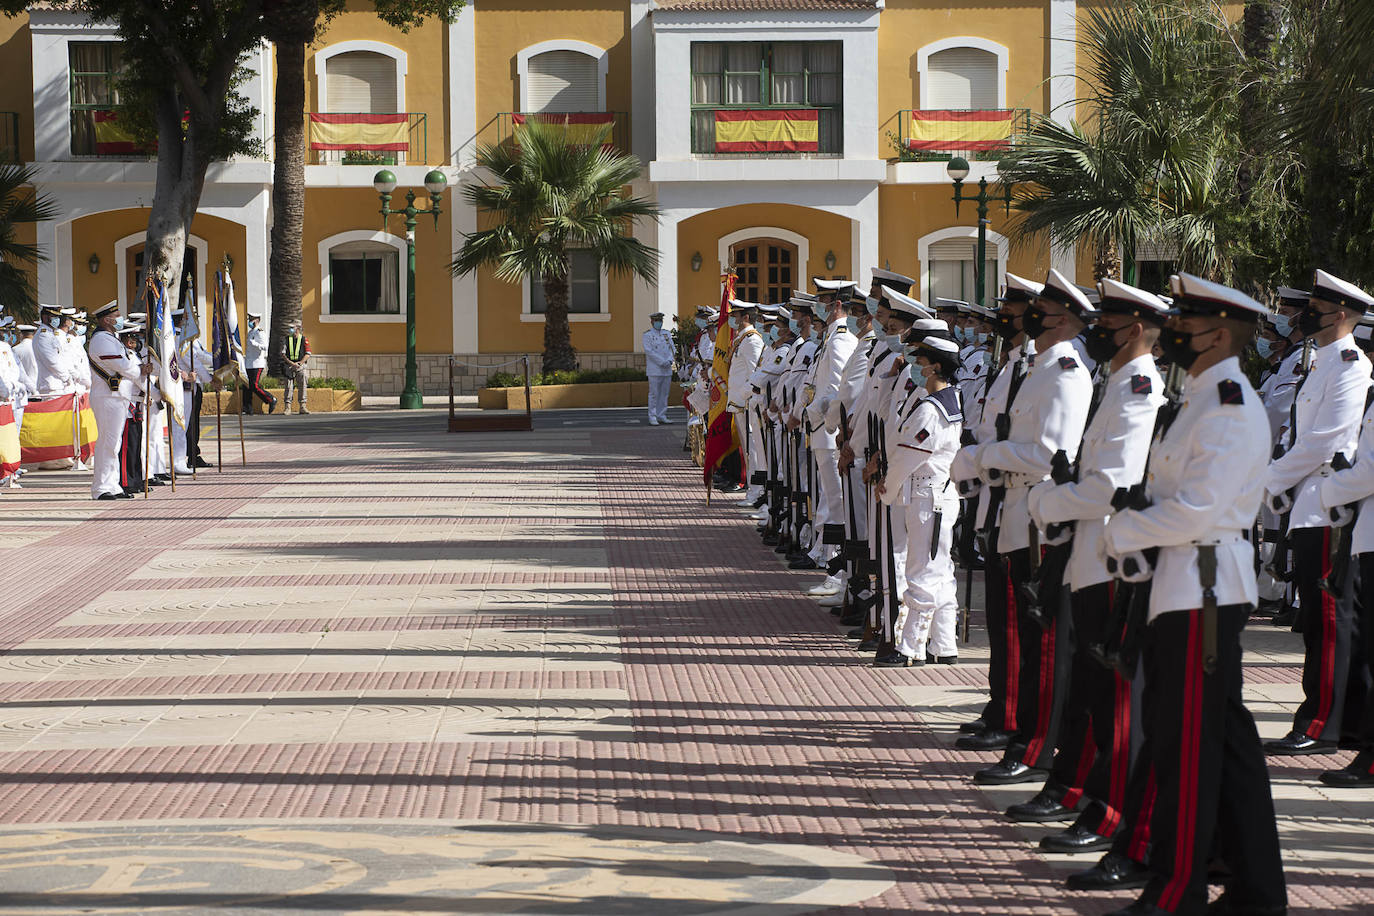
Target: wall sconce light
{"type": "Point", "coordinates": [830, 260]}
{"type": "Point", "coordinates": [94, 263]}
{"type": "Point", "coordinates": [696, 261]}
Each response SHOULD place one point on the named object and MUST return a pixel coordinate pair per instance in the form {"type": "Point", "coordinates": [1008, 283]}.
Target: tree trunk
{"type": "Point", "coordinates": [288, 195]}
{"type": "Point", "coordinates": [558, 348]}
{"type": "Point", "coordinates": [180, 179]}
{"type": "Point", "coordinates": [1107, 260]}
{"type": "Point", "coordinates": [1259, 33]}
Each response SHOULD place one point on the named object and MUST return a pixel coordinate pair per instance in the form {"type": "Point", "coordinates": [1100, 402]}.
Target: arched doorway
{"type": "Point", "coordinates": [767, 270]}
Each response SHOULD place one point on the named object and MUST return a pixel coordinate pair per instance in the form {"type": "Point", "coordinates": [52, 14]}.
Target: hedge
{"type": "Point", "coordinates": [566, 377]}
{"type": "Point", "coordinates": [338, 384]}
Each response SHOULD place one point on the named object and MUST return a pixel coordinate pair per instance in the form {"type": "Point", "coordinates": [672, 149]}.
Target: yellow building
{"type": "Point", "coordinates": [791, 138]}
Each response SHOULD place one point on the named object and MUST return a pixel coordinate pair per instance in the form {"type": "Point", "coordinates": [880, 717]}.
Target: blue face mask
{"type": "Point", "coordinates": [1265, 347]}
{"type": "Point", "coordinates": [916, 375]}
{"type": "Point", "coordinates": [658, 325]}
{"type": "Point", "coordinates": [894, 342]}
{"type": "Point", "coordinates": [701, 323]}
{"type": "Point", "coordinates": [55, 323]}
{"type": "Point", "coordinates": [982, 337]}
{"type": "Point", "coordinates": [1283, 324]}
{"type": "Point", "coordinates": [853, 324]}
{"type": "Point", "coordinates": [794, 326]}
{"type": "Point", "coordinates": [872, 305]}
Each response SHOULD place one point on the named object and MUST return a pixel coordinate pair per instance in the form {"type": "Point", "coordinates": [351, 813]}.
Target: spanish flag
{"type": "Point", "coordinates": [721, 437]}
{"type": "Point", "coordinates": [57, 428]}
{"type": "Point", "coordinates": [580, 127]}
{"type": "Point", "coordinates": [111, 138]}
{"type": "Point", "coordinates": [958, 131]}
{"type": "Point", "coordinates": [9, 442]}
{"type": "Point", "coordinates": [352, 131]}
{"type": "Point", "coordinates": [764, 130]}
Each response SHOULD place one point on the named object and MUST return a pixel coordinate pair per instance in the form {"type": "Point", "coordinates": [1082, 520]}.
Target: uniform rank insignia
{"type": "Point", "coordinates": [1067, 362]}
{"type": "Point", "coordinates": [923, 435]}
{"type": "Point", "coordinates": [1349, 355]}
{"type": "Point", "coordinates": [1140, 384]}
{"type": "Point", "coordinates": [1230, 391]}
{"type": "Point", "coordinates": [806, 360]}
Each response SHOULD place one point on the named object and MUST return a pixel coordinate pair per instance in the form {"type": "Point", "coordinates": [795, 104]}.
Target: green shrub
{"type": "Point", "coordinates": [270, 382]}
{"type": "Point", "coordinates": [338, 384]}
{"type": "Point", "coordinates": [567, 377]}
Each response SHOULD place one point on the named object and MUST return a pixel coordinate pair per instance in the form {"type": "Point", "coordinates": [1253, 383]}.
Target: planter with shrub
{"type": "Point", "coordinates": [565, 389]}
{"type": "Point", "coordinates": [323, 395]}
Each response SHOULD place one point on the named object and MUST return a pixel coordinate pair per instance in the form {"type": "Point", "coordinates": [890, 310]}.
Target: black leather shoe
{"type": "Point", "coordinates": [990, 739]}
{"type": "Point", "coordinates": [758, 503]}
{"type": "Point", "coordinates": [156, 482]}
{"type": "Point", "coordinates": [802, 563]}
{"type": "Point", "coordinates": [976, 727]}
{"type": "Point", "coordinates": [896, 660]}
{"type": "Point", "coordinates": [1042, 809]}
{"type": "Point", "coordinates": [856, 633]}
{"type": "Point", "coordinates": [1074, 838]}
{"type": "Point", "coordinates": [868, 645]}
{"type": "Point", "coordinates": [1296, 744]}
{"type": "Point", "coordinates": [165, 478]}
{"type": "Point", "coordinates": [124, 496]}
{"type": "Point", "coordinates": [1285, 618]}
{"type": "Point", "coordinates": [1350, 777]}
{"type": "Point", "coordinates": [1111, 873]}
{"type": "Point", "coordinates": [107, 496]}
{"type": "Point", "coordinates": [1006, 773]}
{"type": "Point", "coordinates": [202, 463]}
{"type": "Point", "coordinates": [942, 659]}
{"type": "Point", "coordinates": [732, 488]}
{"type": "Point", "coordinates": [770, 540]}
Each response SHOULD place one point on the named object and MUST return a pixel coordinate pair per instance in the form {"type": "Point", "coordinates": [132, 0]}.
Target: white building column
{"type": "Point", "coordinates": [643, 104]}
{"type": "Point", "coordinates": [863, 235]}
{"type": "Point", "coordinates": [462, 88]}
{"type": "Point", "coordinates": [52, 263]}
{"type": "Point", "coordinates": [1063, 90]}
{"type": "Point", "coordinates": [662, 298]}
{"type": "Point", "coordinates": [464, 288]}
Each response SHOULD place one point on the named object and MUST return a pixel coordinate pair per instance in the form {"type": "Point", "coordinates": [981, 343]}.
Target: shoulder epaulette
{"type": "Point", "coordinates": [1350, 354]}
{"type": "Point", "coordinates": [1141, 384]}
{"type": "Point", "coordinates": [1067, 362]}
{"type": "Point", "coordinates": [1230, 391]}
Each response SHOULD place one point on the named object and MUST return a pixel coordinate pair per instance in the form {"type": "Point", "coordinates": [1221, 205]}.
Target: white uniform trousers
{"type": "Point", "coordinates": [154, 428]}
{"type": "Point", "coordinates": [931, 601]}
{"type": "Point", "coordinates": [659, 386]}
{"type": "Point", "coordinates": [887, 537]}
{"type": "Point", "coordinates": [829, 504]}
{"type": "Point", "coordinates": [110, 413]}
{"type": "Point", "coordinates": [178, 433]}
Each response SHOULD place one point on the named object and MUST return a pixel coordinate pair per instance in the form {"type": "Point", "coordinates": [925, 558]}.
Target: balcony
{"type": "Point", "coordinates": [937, 135]}
{"type": "Point", "coordinates": [794, 133]}
{"type": "Point", "coordinates": [357, 138]}
{"type": "Point", "coordinates": [579, 126]}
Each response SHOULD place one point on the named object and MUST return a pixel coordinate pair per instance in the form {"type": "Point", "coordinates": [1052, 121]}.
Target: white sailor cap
{"type": "Point", "coordinates": [981, 312]}
{"type": "Point", "coordinates": [930, 324]}
{"type": "Point", "coordinates": [1123, 299]}
{"type": "Point", "coordinates": [824, 286]}
{"type": "Point", "coordinates": [739, 305]}
{"type": "Point", "coordinates": [948, 305]}
{"type": "Point", "coordinates": [893, 280]}
{"type": "Point", "coordinates": [1019, 289]}
{"type": "Point", "coordinates": [803, 294]}
{"type": "Point", "coordinates": [799, 304]}
{"type": "Point", "coordinates": [50, 308]}
{"type": "Point", "coordinates": [1058, 288]}
{"type": "Point", "coordinates": [1196, 296]}
{"type": "Point", "coordinates": [68, 310]}
{"type": "Point", "coordinates": [1333, 289]}
{"type": "Point", "coordinates": [784, 313]}
{"type": "Point", "coordinates": [904, 306]}
{"type": "Point", "coordinates": [768, 311]}
{"type": "Point", "coordinates": [6, 321]}
{"type": "Point", "coordinates": [942, 346]}
{"type": "Point", "coordinates": [126, 326]}
{"type": "Point", "coordinates": [1293, 298]}
{"type": "Point", "coordinates": [105, 309]}
{"type": "Point", "coordinates": [704, 310]}
{"type": "Point", "coordinates": [136, 316]}
{"type": "Point", "coordinates": [27, 327]}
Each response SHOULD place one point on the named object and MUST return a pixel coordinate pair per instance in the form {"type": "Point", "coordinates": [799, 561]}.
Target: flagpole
{"type": "Point", "coordinates": [243, 449]}
{"type": "Point", "coordinates": [147, 436]}
{"type": "Point", "coordinates": [173, 463]}
{"type": "Point", "coordinates": [219, 433]}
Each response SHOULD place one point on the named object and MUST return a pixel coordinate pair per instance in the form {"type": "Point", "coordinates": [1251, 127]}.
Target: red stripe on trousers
{"type": "Point", "coordinates": [1085, 763]}
{"type": "Point", "coordinates": [1121, 755]}
{"type": "Point", "coordinates": [1013, 655]}
{"type": "Point", "coordinates": [1140, 837]}
{"type": "Point", "coordinates": [1046, 700]}
{"type": "Point", "coordinates": [1328, 657]}
{"type": "Point", "coordinates": [1185, 828]}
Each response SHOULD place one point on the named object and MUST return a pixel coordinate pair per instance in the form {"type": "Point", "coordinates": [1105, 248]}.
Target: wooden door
{"type": "Point", "coordinates": [767, 269]}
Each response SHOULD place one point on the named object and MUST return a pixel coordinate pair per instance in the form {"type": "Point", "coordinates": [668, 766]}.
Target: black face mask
{"type": "Point", "coordinates": [1177, 347]}
{"type": "Point", "coordinates": [1310, 322]}
{"type": "Point", "coordinates": [1033, 322]}
{"type": "Point", "coordinates": [1004, 326]}
{"type": "Point", "coordinates": [1101, 343]}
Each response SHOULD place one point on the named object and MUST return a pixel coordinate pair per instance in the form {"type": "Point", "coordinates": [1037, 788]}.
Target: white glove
{"type": "Point", "coordinates": [1279, 503]}
{"type": "Point", "coordinates": [1342, 516]}
{"type": "Point", "coordinates": [1033, 502]}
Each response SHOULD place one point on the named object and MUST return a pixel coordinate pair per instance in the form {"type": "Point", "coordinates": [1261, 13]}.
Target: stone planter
{"type": "Point", "coordinates": [317, 400]}
{"type": "Point", "coordinates": [563, 397]}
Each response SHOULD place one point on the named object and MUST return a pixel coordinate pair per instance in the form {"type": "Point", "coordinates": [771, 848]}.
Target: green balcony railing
{"type": "Point", "coordinates": [939, 134]}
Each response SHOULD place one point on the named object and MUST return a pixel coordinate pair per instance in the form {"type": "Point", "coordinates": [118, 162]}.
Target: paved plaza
{"type": "Point", "coordinates": [386, 669]}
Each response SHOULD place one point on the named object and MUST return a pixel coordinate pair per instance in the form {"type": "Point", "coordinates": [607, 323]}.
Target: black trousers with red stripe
{"type": "Point", "coordinates": [1363, 733]}
{"type": "Point", "coordinates": [1043, 677]}
{"type": "Point", "coordinates": [1004, 646]}
{"type": "Point", "coordinates": [131, 452]}
{"type": "Point", "coordinates": [1212, 788]}
{"type": "Point", "coordinates": [1327, 628]}
{"type": "Point", "coordinates": [1095, 736]}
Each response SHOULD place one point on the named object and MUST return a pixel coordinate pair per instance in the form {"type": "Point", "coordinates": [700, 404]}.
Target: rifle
{"type": "Point", "coordinates": [1002, 428]}
{"type": "Point", "coordinates": [1042, 591]}
{"type": "Point", "coordinates": [971, 519]}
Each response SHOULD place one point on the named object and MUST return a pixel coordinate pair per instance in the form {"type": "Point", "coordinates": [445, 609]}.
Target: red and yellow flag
{"type": "Point", "coordinates": [57, 428]}
{"type": "Point", "coordinates": [579, 127]}
{"type": "Point", "coordinates": [9, 442]}
{"type": "Point", "coordinates": [353, 131]}
{"type": "Point", "coordinates": [765, 130]}
{"type": "Point", "coordinates": [721, 436]}
{"type": "Point", "coordinates": [111, 137]}
{"type": "Point", "coordinates": [957, 131]}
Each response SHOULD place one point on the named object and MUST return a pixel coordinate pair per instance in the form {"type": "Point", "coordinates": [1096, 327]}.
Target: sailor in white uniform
{"type": "Point", "coordinates": [115, 372]}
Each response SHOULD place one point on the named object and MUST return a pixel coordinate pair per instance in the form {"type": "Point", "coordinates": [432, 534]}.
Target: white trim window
{"type": "Point", "coordinates": [947, 260]}
{"type": "Point", "coordinates": [562, 76]}
{"type": "Point", "coordinates": [361, 278]}
{"type": "Point", "coordinates": [588, 292]}
{"type": "Point", "coordinates": [361, 60]}
{"type": "Point", "coordinates": [963, 73]}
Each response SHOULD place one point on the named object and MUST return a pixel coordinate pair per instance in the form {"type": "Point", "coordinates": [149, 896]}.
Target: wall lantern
{"type": "Point", "coordinates": [830, 260]}
{"type": "Point", "coordinates": [94, 263]}
{"type": "Point", "coordinates": [696, 261]}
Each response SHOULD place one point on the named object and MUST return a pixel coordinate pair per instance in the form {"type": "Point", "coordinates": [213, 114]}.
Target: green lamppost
{"type": "Point", "coordinates": [435, 182]}
{"type": "Point", "coordinates": [958, 171]}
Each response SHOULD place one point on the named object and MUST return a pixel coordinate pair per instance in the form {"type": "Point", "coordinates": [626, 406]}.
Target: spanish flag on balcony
{"type": "Point", "coordinates": [580, 127]}
{"type": "Point", "coordinates": [9, 442]}
{"type": "Point", "coordinates": [763, 130]}
{"type": "Point", "coordinates": [57, 428]}
{"type": "Point", "coordinates": [959, 131]}
{"type": "Point", "coordinates": [111, 138]}
{"type": "Point", "coordinates": [355, 131]}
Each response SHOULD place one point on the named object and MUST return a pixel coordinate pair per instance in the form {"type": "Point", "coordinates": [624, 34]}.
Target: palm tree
{"type": "Point", "coordinates": [19, 205]}
{"type": "Point", "coordinates": [551, 196]}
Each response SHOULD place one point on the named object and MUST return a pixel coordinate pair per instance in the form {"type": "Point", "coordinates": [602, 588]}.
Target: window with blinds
{"type": "Point", "coordinates": [563, 81]}
{"type": "Point", "coordinates": [962, 78]}
{"type": "Point", "coordinates": [362, 82]}
{"type": "Point", "coordinates": [951, 272]}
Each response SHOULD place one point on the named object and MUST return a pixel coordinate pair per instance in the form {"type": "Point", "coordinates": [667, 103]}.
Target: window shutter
{"type": "Point", "coordinates": [957, 250]}
{"type": "Point", "coordinates": [962, 78]}
{"type": "Point", "coordinates": [563, 81]}
{"type": "Point", "coordinates": [361, 81]}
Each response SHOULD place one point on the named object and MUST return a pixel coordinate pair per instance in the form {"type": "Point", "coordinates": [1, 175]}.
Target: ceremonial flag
{"type": "Point", "coordinates": [721, 436]}
{"type": "Point", "coordinates": [958, 131]}
{"type": "Point", "coordinates": [351, 131]}
{"type": "Point", "coordinates": [765, 130]}
{"type": "Point", "coordinates": [162, 346]}
{"type": "Point", "coordinates": [9, 442]}
{"type": "Point", "coordinates": [57, 428]}
{"type": "Point", "coordinates": [228, 345]}
{"type": "Point", "coordinates": [190, 325]}
{"type": "Point", "coordinates": [580, 128]}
